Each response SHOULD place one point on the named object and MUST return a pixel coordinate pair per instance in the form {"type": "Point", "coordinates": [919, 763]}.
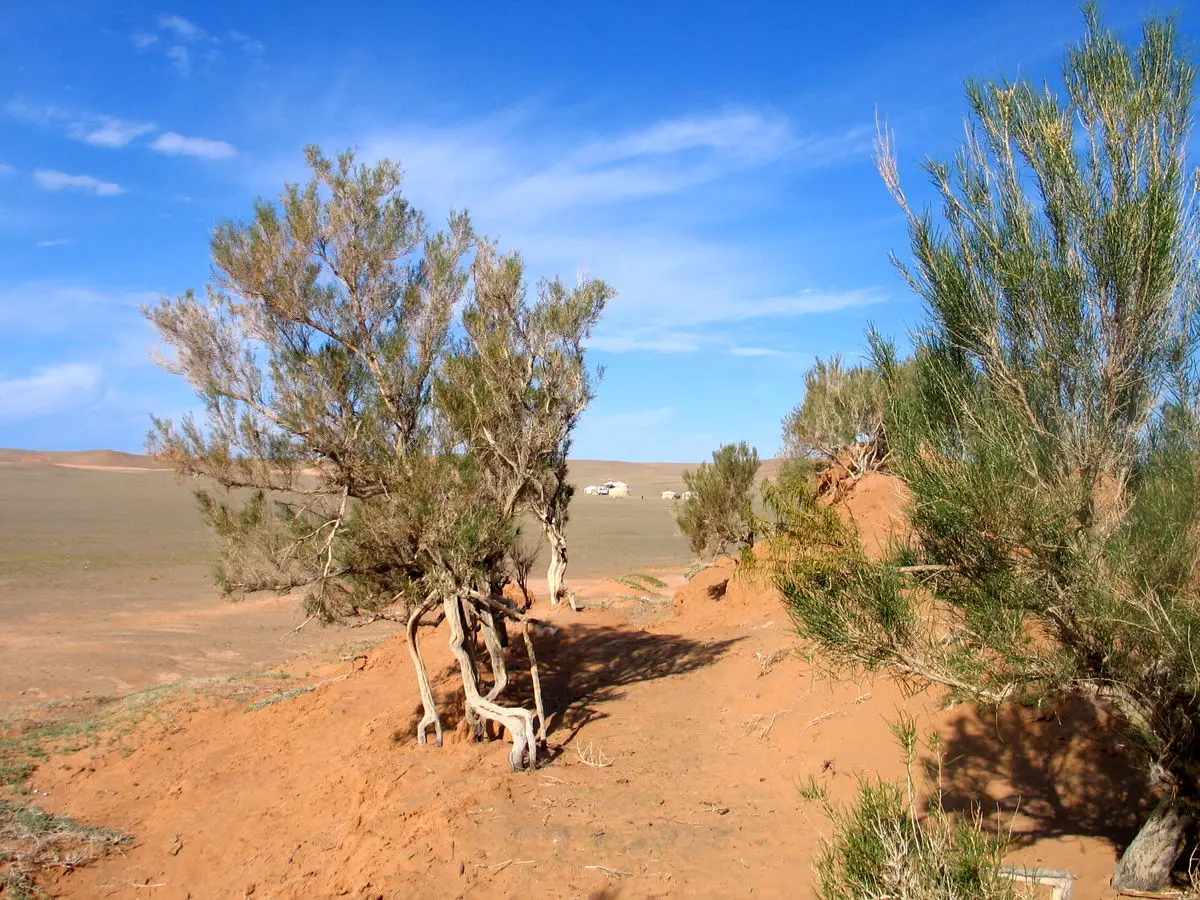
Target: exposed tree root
{"type": "Point", "coordinates": [488, 615]}
{"type": "Point", "coordinates": [535, 676]}
{"type": "Point", "coordinates": [1147, 862]}
{"type": "Point", "coordinates": [428, 703]}
{"type": "Point", "coordinates": [491, 629]}
{"type": "Point", "coordinates": [517, 720]}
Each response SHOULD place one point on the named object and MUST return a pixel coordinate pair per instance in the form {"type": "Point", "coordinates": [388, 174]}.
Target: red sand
{"type": "Point", "coordinates": [327, 794]}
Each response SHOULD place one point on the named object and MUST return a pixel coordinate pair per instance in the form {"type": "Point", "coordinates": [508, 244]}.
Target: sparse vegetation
{"type": "Point", "coordinates": [32, 840]}
{"type": "Point", "coordinates": [884, 846]}
{"type": "Point", "coordinates": [642, 582]}
{"type": "Point", "coordinates": [1049, 432]}
{"type": "Point", "coordinates": [719, 514]}
{"type": "Point", "coordinates": [840, 421]}
{"type": "Point", "coordinates": [388, 459]}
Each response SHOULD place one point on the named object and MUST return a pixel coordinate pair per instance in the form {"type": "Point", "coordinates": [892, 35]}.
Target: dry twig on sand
{"type": "Point", "coordinates": [615, 873]}
{"type": "Point", "coordinates": [593, 755]}
{"type": "Point", "coordinates": [768, 661]}
{"type": "Point", "coordinates": [761, 725]}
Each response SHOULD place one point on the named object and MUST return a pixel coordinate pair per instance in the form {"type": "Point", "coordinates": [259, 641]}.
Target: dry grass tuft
{"type": "Point", "coordinates": [768, 661]}
{"type": "Point", "coordinates": [32, 840]}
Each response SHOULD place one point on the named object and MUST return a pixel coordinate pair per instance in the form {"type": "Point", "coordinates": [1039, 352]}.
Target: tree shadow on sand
{"type": "Point", "coordinates": [1049, 774]}
{"type": "Point", "coordinates": [583, 667]}
{"type": "Point", "coordinates": [590, 665]}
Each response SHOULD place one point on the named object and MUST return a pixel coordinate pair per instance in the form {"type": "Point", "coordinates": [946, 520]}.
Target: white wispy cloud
{"type": "Point", "coordinates": [52, 180]}
{"type": "Point", "coordinates": [90, 128]}
{"type": "Point", "coordinates": [182, 28]}
{"type": "Point", "coordinates": [247, 43]}
{"type": "Point", "coordinates": [184, 43]}
{"type": "Point", "coordinates": [49, 391]}
{"type": "Point", "coordinates": [627, 206]}
{"type": "Point", "coordinates": [174, 144]}
{"type": "Point", "coordinates": [112, 132]}
{"type": "Point", "coordinates": [507, 178]}
{"type": "Point", "coordinates": [51, 307]}
{"type": "Point", "coordinates": [56, 242]}
{"type": "Point", "coordinates": [648, 340]}
{"type": "Point", "coordinates": [6, 169]}
{"type": "Point", "coordinates": [181, 59]}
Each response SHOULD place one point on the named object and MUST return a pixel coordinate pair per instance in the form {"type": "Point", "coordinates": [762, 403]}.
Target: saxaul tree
{"type": "Point", "coordinates": [718, 514]}
{"type": "Point", "coordinates": [517, 386]}
{"type": "Point", "coordinates": [1049, 435]}
{"type": "Point", "coordinates": [317, 350]}
{"type": "Point", "coordinates": [840, 421]}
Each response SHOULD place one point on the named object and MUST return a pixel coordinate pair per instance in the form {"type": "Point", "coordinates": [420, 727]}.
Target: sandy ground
{"type": "Point", "coordinates": [675, 756]}
{"type": "Point", "coordinates": [696, 756]}
{"type": "Point", "coordinates": [105, 575]}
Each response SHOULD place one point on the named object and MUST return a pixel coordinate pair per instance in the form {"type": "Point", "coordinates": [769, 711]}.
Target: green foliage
{"type": "Point", "coordinates": [387, 450]}
{"type": "Point", "coordinates": [841, 420]}
{"type": "Point", "coordinates": [642, 582]}
{"type": "Point", "coordinates": [883, 846]}
{"type": "Point", "coordinates": [517, 383]}
{"type": "Point", "coordinates": [720, 514]}
{"type": "Point", "coordinates": [1047, 427]}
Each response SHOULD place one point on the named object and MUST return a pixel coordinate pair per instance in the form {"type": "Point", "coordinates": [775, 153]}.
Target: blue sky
{"type": "Point", "coordinates": [711, 160]}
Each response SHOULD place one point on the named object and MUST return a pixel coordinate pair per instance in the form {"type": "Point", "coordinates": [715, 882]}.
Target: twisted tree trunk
{"type": "Point", "coordinates": [518, 721]}
{"type": "Point", "coordinates": [556, 576]}
{"type": "Point", "coordinates": [1147, 863]}
{"type": "Point", "coordinates": [495, 639]}
{"type": "Point", "coordinates": [428, 703]}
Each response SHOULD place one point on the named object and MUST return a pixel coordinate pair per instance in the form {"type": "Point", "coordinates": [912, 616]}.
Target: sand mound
{"type": "Point", "coordinates": [727, 594]}
{"type": "Point", "coordinates": [674, 763]}
{"type": "Point", "coordinates": [877, 504]}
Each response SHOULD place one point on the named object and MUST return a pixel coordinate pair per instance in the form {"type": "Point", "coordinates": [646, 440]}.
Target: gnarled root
{"type": "Point", "coordinates": [491, 627]}
{"type": "Point", "coordinates": [518, 721]}
{"type": "Point", "coordinates": [430, 718]}
{"type": "Point", "coordinates": [535, 678]}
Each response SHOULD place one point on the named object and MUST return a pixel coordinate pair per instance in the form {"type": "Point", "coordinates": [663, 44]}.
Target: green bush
{"type": "Point", "coordinates": [1048, 426]}
{"type": "Point", "coordinates": [718, 514]}
{"type": "Point", "coordinates": [883, 847]}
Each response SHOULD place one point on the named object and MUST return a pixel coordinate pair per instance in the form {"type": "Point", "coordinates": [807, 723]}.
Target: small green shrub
{"type": "Point", "coordinates": [719, 513]}
{"type": "Point", "coordinates": [883, 847]}
{"type": "Point", "coordinates": [641, 582]}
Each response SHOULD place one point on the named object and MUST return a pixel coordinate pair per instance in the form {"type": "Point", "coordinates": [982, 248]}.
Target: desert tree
{"type": "Point", "coordinates": [1049, 431]}
{"type": "Point", "coordinates": [316, 351]}
{"type": "Point", "coordinates": [518, 385]}
{"type": "Point", "coordinates": [718, 512]}
{"type": "Point", "coordinates": [840, 421]}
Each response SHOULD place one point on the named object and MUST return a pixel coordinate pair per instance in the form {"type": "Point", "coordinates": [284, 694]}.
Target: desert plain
{"type": "Point", "coordinates": [271, 760]}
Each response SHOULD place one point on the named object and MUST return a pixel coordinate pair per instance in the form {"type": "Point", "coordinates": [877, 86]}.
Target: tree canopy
{"type": "Point", "coordinates": [390, 400]}
{"type": "Point", "coordinates": [1048, 432]}
{"type": "Point", "coordinates": [718, 512]}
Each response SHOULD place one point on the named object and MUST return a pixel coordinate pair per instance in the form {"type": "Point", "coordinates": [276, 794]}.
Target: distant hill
{"type": "Point", "coordinates": [641, 477]}
{"type": "Point", "coordinates": [114, 458]}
